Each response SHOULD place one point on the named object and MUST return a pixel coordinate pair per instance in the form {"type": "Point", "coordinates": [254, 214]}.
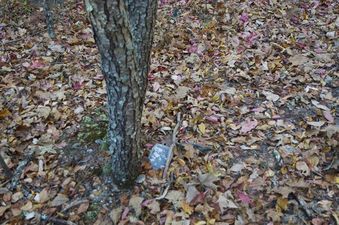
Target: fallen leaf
{"type": "Point", "coordinates": [17, 196]}
{"type": "Point", "coordinates": [202, 128]}
{"type": "Point", "coordinates": [208, 180]}
{"type": "Point", "coordinates": [59, 200]}
{"type": "Point", "coordinates": [43, 111]}
{"type": "Point", "coordinates": [298, 60]}
{"type": "Point", "coordinates": [243, 197]}
{"type": "Point", "coordinates": [212, 118]}
{"type": "Point", "coordinates": [282, 203]}
{"type": "Point", "coordinates": [3, 190]}
{"type": "Point", "coordinates": [175, 197]}
{"type": "Point", "coordinates": [316, 124]}
{"type": "Point", "coordinates": [192, 193]}
{"type": "Point", "coordinates": [154, 206]}
{"type": "Point", "coordinates": [248, 125]}
{"type": "Point", "coordinates": [270, 96]}
{"type": "Point", "coordinates": [3, 209]}
{"type": "Point", "coordinates": [186, 208]}
{"type": "Point", "coordinates": [331, 130]}
{"type": "Point", "coordinates": [181, 92]}
{"type": "Point", "coordinates": [135, 203]}
{"type": "Point", "coordinates": [27, 207]}
{"type": "Point", "coordinates": [328, 116]}
{"type": "Point", "coordinates": [325, 204]}
{"type": "Point", "coordinates": [303, 167]}
{"type": "Point", "coordinates": [78, 110]}
{"type": "Point", "coordinates": [237, 167]}
{"type": "Point", "coordinates": [83, 208]}
{"type": "Point", "coordinates": [156, 86]}
{"type": "Point", "coordinates": [284, 191]}
{"type": "Point", "coordinates": [4, 113]}
{"type": "Point", "coordinates": [115, 214]}
{"type": "Point", "coordinates": [318, 105]}
{"type": "Point", "coordinates": [225, 201]}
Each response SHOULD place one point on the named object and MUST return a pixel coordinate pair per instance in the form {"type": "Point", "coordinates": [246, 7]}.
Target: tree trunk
{"type": "Point", "coordinates": [123, 30]}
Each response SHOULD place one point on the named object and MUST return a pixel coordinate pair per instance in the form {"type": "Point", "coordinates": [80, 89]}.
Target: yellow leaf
{"type": "Point", "coordinates": [28, 206]}
{"type": "Point", "coordinates": [282, 203]}
{"type": "Point", "coordinates": [202, 128]}
{"type": "Point", "coordinates": [284, 170]}
{"type": "Point", "coordinates": [181, 162]}
{"type": "Point", "coordinates": [331, 178]}
{"type": "Point", "coordinates": [211, 221]}
{"type": "Point", "coordinates": [200, 223]}
{"type": "Point", "coordinates": [187, 208]}
{"type": "Point", "coordinates": [4, 113]}
{"type": "Point", "coordinates": [313, 161]}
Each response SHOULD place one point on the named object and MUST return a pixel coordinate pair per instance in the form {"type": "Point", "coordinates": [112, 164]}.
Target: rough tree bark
{"type": "Point", "coordinates": [123, 30]}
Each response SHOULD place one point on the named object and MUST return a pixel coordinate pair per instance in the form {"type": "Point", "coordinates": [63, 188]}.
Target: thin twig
{"type": "Point", "coordinates": [163, 195]}
{"type": "Point", "coordinates": [168, 185]}
{"type": "Point", "coordinates": [73, 204]}
{"type": "Point", "coordinates": [174, 141]}
{"type": "Point", "coordinates": [279, 46]}
{"type": "Point", "coordinates": [54, 220]}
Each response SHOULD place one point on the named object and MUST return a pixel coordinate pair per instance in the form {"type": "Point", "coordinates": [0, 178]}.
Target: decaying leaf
{"type": "Point", "coordinates": [192, 193]}
{"type": "Point", "coordinates": [226, 201]}
{"type": "Point", "coordinates": [237, 167]}
{"type": "Point", "coordinates": [60, 199]}
{"type": "Point", "coordinates": [115, 214]}
{"type": "Point", "coordinates": [282, 203]}
{"type": "Point", "coordinates": [135, 203]}
{"type": "Point", "coordinates": [208, 180]}
{"type": "Point", "coordinates": [175, 197]}
{"type": "Point", "coordinates": [298, 60]}
{"type": "Point", "coordinates": [42, 196]}
{"type": "Point", "coordinates": [154, 206]}
{"type": "Point", "coordinates": [303, 167]}
{"type": "Point", "coordinates": [181, 92]}
{"type": "Point", "coordinates": [3, 209]}
{"type": "Point", "coordinates": [248, 125]}
{"type": "Point", "coordinates": [270, 96]}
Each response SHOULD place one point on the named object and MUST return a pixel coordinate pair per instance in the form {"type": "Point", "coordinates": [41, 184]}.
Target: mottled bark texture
{"type": "Point", "coordinates": [123, 30]}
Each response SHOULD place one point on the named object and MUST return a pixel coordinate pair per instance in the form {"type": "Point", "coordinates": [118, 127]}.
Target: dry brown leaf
{"type": "Point", "coordinates": [226, 201]}
{"type": "Point", "coordinates": [208, 180]}
{"type": "Point", "coordinates": [135, 203]}
{"type": "Point", "coordinates": [282, 203]}
{"type": "Point", "coordinates": [115, 214]}
{"type": "Point", "coordinates": [27, 207]}
{"type": "Point", "coordinates": [59, 200]}
{"type": "Point", "coordinates": [154, 206]}
{"type": "Point", "coordinates": [3, 209]}
{"type": "Point", "coordinates": [303, 167]}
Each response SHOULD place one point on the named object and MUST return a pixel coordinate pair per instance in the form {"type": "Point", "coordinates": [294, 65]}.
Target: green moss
{"type": "Point", "coordinates": [91, 216]}
{"type": "Point", "coordinates": [92, 213]}
{"type": "Point", "coordinates": [107, 169]}
{"type": "Point", "coordinates": [93, 127]}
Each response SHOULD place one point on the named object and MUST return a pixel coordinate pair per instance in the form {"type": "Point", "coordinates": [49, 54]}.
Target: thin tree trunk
{"type": "Point", "coordinates": [123, 31]}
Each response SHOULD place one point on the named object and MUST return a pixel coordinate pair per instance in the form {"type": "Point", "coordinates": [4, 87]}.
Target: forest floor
{"type": "Point", "coordinates": [256, 83]}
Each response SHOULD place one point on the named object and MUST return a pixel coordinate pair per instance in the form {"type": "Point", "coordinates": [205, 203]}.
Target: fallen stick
{"type": "Point", "coordinates": [174, 142]}
{"type": "Point", "coordinates": [46, 218]}
{"type": "Point", "coordinates": [73, 204]}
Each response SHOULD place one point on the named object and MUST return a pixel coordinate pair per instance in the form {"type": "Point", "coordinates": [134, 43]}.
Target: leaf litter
{"type": "Point", "coordinates": [257, 86]}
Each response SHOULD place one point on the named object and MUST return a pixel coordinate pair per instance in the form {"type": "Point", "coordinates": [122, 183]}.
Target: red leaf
{"type": "Point", "coordinates": [244, 198]}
